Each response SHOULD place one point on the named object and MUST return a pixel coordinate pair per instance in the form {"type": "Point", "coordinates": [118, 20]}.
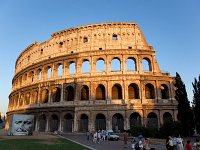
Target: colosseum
{"type": "Point", "coordinates": [97, 76]}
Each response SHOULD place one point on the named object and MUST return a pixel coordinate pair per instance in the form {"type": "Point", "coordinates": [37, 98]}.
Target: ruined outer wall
{"type": "Point", "coordinates": [107, 41]}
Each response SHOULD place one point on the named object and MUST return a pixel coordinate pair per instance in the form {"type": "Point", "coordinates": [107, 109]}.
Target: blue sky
{"type": "Point", "coordinates": [172, 27]}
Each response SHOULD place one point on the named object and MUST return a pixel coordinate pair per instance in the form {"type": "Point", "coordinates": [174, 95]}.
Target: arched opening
{"type": "Point", "coordinates": [135, 119]}
{"type": "Point", "coordinates": [164, 91]}
{"type": "Point", "coordinates": [85, 93]}
{"type": "Point", "coordinates": [100, 65]}
{"type": "Point", "coordinates": [27, 98]}
{"type": "Point", "coordinates": [54, 123]}
{"type": "Point", "coordinates": [21, 100]}
{"type": "Point", "coordinates": [31, 76]}
{"type": "Point", "coordinates": [56, 94]}
{"type": "Point", "coordinates": [24, 78]}
{"type": "Point", "coordinates": [35, 97]}
{"type": "Point", "coordinates": [72, 68]}
{"type": "Point", "coordinates": [85, 66]}
{"type": "Point", "coordinates": [83, 124]}
{"type": "Point", "coordinates": [115, 64]}
{"type": "Point", "coordinates": [42, 123]}
{"type": "Point", "coordinates": [100, 92]}
{"type": "Point", "coordinates": [167, 117]}
{"type": "Point", "coordinates": [69, 93]}
{"type": "Point", "coordinates": [45, 96]}
{"type": "Point", "coordinates": [133, 91]}
{"type": "Point", "coordinates": [49, 73]}
{"type": "Point", "coordinates": [149, 91]}
{"type": "Point", "coordinates": [117, 122]}
{"type": "Point", "coordinates": [146, 64]}
{"type": "Point", "coordinates": [152, 120]}
{"type": "Point", "coordinates": [39, 74]}
{"type": "Point", "coordinates": [68, 123]}
{"type": "Point", "coordinates": [100, 122]}
{"type": "Point", "coordinates": [116, 92]}
{"type": "Point", "coordinates": [60, 70]}
{"type": "Point", "coordinates": [131, 64]}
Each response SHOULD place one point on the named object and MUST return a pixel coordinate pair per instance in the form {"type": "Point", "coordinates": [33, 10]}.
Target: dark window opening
{"type": "Point", "coordinates": [100, 48]}
{"type": "Point", "coordinates": [85, 39]}
{"type": "Point", "coordinates": [114, 37]}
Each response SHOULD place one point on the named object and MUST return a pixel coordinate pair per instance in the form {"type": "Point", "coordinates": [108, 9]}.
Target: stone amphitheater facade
{"type": "Point", "coordinates": [98, 76]}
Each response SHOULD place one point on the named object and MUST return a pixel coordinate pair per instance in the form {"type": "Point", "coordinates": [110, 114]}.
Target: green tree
{"type": "Point", "coordinates": [185, 114]}
{"type": "Point", "coordinates": [196, 102]}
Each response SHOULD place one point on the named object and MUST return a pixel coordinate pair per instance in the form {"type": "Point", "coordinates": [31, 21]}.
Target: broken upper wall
{"type": "Point", "coordinates": [94, 37]}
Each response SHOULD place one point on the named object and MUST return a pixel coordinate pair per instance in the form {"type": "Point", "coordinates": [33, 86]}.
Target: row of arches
{"type": "Point", "coordinates": [59, 70]}
{"type": "Point", "coordinates": [100, 122]}
{"type": "Point", "coordinates": [69, 94]}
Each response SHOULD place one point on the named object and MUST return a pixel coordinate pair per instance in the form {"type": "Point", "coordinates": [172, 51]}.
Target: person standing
{"type": "Point", "coordinates": [125, 138]}
{"type": "Point", "coordinates": [169, 143]}
{"type": "Point", "coordinates": [188, 146]}
{"type": "Point", "coordinates": [174, 139]}
{"type": "Point", "coordinates": [180, 143]}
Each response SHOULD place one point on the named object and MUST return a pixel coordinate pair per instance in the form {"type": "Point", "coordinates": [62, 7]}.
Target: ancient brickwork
{"type": "Point", "coordinates": [92, 77]}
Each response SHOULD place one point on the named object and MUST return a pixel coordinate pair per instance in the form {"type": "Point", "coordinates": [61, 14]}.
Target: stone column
{"type": "Point", "coordinates": [60, 121]}
{"type": "Point", "coordinates": [36, 123]}
{"type": "Point", "coordinates": [49, 97]}
{"type": "Point", "coordinates": [39, 93]}
{"type": "Point", "coordinates": [62, 93]}
{"type": "Point", "coordinates": [139, 64]}
{"type": "Point", "coordinates": [75, 128]}
{"type": "Point", "coordinates": [63, 69]}
{"type": "Point", "coordinates": [47, 124]}
{"type": "Point", "coordinates": [160, 119]}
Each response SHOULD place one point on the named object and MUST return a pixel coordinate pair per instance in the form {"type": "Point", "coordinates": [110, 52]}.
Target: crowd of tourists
{"type": "Point", "coordinates": [97, 136]}
{"type": "Point", "coordinates": [177, 143]}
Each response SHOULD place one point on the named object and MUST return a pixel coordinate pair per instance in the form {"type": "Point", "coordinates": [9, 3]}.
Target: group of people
{"type": "Point", "coordinates": [176, 143]}
{"type": "Point", "coordinates": [140, 144]}
{"type": "Point", "coordinates": [97, 136]}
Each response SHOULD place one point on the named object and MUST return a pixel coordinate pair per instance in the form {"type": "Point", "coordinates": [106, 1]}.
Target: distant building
{"type": "Point", "coordinates": [98, 76]}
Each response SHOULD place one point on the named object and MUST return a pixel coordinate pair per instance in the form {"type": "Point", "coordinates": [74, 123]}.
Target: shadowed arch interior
{"type": "Point", "coordinates": [117, 122]}
{"type": "Point", "coordinates": [85, 93]}
{"type": "Point", "coordinates": [42, 123]}
{"type": "Point", "coordinates": [67, 123]}
{"type": "Point", "coordinates": [100, 122]}
{"type": "Point", "coordinates": [116, 92]}
{"type": "Point", "coordinates": [164, 91]}
{"type": "Point", "coordinates": [167, 117]}
{"type": "Point", "coordinates": [135, 119]}
{"type": "Point", "coordinates": [54, 123]}
{"type": "Point", "coordinates": [69, 93]}
{"type": "Point", "coordinates": [100, 92]}
{"type": "Point", "coordinates": [149, 91]}
{"type": "Point", "coordinates": [83, 124]}
{"type": "Point", "coordinates": [152, 120]}
{"type": "Point", "coordinates": [133, 91]}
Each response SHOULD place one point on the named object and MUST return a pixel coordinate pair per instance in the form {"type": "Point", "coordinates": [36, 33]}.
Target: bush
{"type": "Point", "coordinates": [168, 128]}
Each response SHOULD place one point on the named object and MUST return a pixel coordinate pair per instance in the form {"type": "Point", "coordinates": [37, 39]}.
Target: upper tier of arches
{"type": "Point", "coordinates": [105, 36]}
{"type": "Point", "coordinates": [88, 65]}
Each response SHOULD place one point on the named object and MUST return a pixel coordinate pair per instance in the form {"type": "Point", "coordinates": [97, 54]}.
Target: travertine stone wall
{"type": "Point", "coordinates": [43, 80]}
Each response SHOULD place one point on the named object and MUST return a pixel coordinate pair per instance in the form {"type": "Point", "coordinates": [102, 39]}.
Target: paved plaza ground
{"type": "Point", "coordinates": [158, 144]}
{"type": "Point", "coordinates": [109, 145]}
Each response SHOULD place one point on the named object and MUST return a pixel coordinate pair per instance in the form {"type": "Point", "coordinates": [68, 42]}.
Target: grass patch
{"type": "Point", "coordinates": [34, 144]}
